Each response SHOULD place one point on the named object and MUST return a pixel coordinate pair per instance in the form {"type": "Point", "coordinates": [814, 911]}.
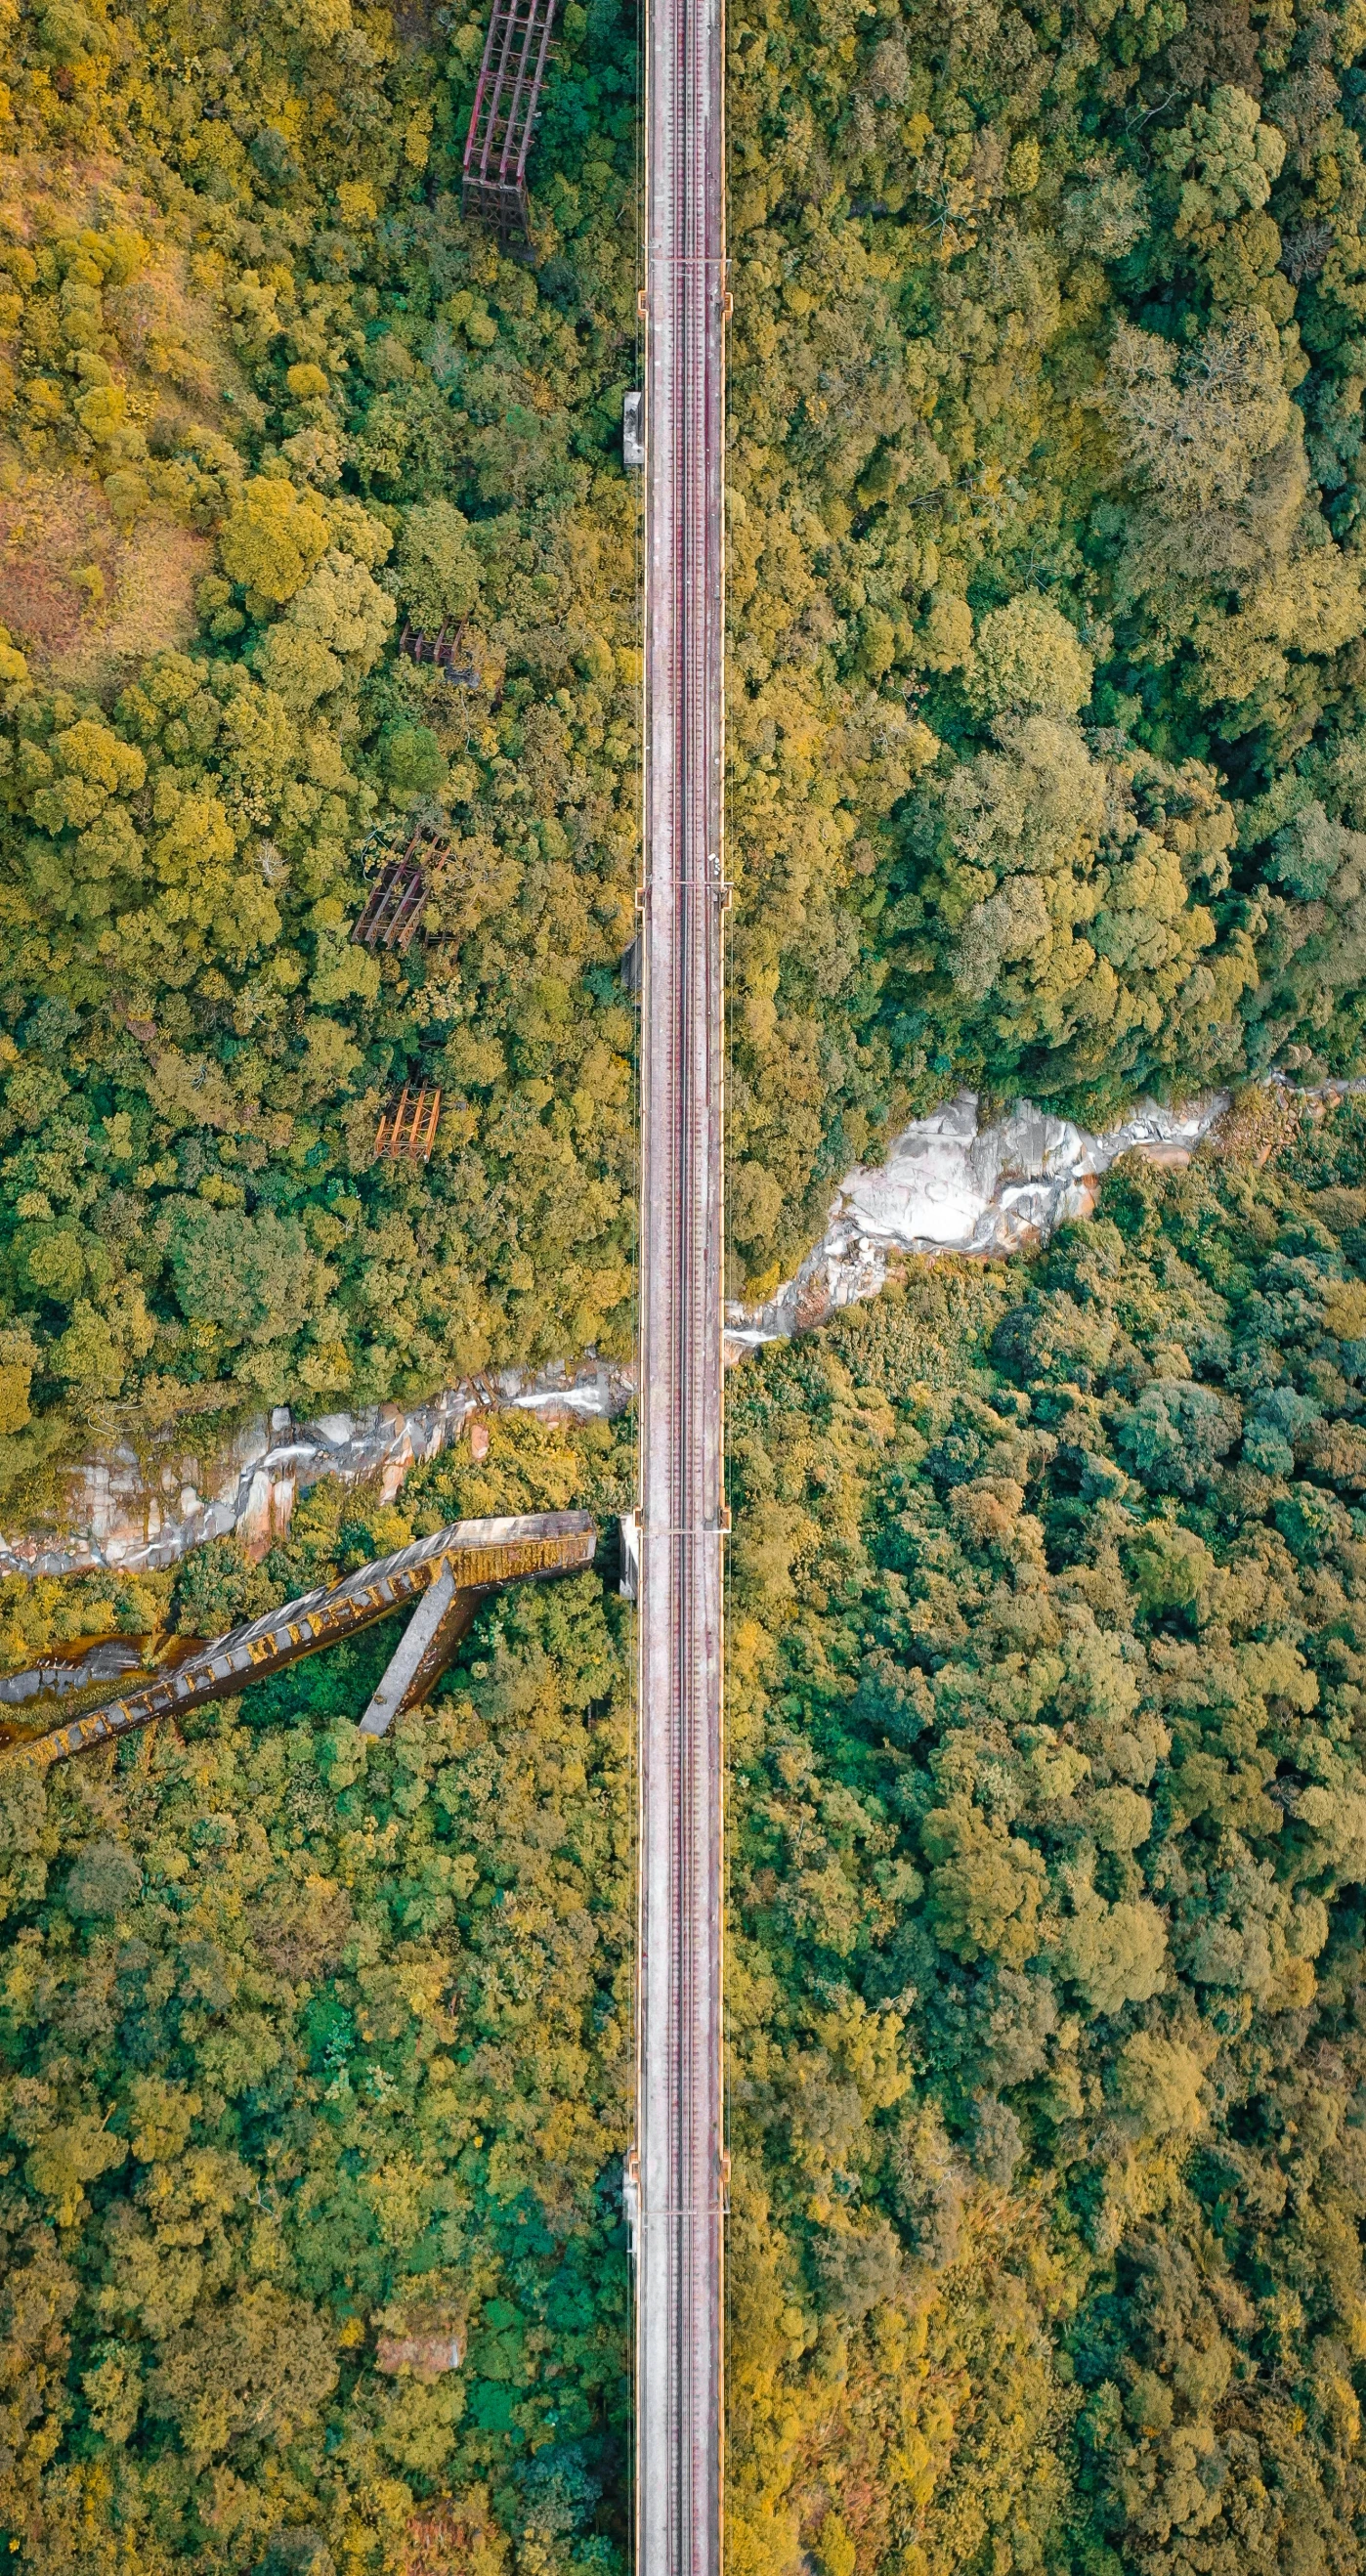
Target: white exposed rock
{"type": "Point", "coordinates": [119, 1510]}
{"type": "Point", "coordinates": [946, 1186]}
{"type": "Point", "coordinates": [949, 1186]}
{"type": "Point", "coordinates": [335, 1428]}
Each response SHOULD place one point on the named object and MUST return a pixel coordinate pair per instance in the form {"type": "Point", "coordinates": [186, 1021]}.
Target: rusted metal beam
{"type": "Point", "coordinates": [424, 1652]}
{"type": "Point", "coordinates": [447, 654]}
{"type": "Point", "coordinates": [410, 1127]}
{"type": "Point", "coordinates": [410, 860]}
{"type": "Point", "coordinates": [480, 1555]}
{"type": "Point", "coordinates": [504, 116]}
{"type": "Point", "coordinates": [394, 908]}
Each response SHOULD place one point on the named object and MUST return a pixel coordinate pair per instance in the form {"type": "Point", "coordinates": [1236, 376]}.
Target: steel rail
{"type": "Point", "coordinates": [679, 2170]}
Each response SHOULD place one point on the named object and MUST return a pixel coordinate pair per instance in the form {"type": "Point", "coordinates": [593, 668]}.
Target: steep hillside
{"type": "Point", "coordinates": [1045, 585]}
{"type": "Point", "coordinates": [267, 398]}
{"type": "Point", "coordinates": [1049, 1823]}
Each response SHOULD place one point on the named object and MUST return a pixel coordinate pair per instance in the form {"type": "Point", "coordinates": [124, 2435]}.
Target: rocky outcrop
{"type": "Point", "coordinates": [946, 1186]}
{"type": "Point", "coordinates": [949, 1186]}
{"type": "Point", "coordinates": [126, 1512]}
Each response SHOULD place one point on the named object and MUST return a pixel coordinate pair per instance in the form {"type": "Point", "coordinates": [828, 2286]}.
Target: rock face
{"type": "Point", "coordinates": [124, 1513]}
{"type": "Point", "coordinates": [107, 1662]}
{"type": "Point", "coordinates": [949, 1186]}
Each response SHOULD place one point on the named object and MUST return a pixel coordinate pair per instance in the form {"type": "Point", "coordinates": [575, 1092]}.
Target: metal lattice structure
{"type": "Point", "coordinates": [409, 1128]}
{"type": "Point", "coordinates": [410, 862]}
{"type": "Point", "coordinates": [504, 116]}
{"type": "Point", "coordinates": [448, 654]}
{"type": "Point", "coordinates": [476, 1556]}
{"type": "Point", "coordinates": [395, 907]}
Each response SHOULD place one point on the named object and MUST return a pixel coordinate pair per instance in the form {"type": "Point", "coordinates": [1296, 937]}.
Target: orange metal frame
{"type": "Point", "coordinates": [410, 1131]}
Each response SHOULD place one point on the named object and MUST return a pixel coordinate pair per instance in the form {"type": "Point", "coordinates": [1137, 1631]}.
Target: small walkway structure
{"type": "Point", "coordinates": [454, 1568]}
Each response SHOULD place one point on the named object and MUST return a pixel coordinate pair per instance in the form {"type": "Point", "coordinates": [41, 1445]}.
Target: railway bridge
{"type": "Point", "coordinates": [680, 2171]}
{"type": "Point", "coordinates": [677, 2172]}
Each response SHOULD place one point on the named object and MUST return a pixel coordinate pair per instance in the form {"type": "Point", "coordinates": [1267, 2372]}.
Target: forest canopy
{"type": "Point", "coordinates": [1047, 662]}
{"type": "Point", "coordinates": [1047, 1642]}
{"type": "Point", "coordinates": [1046, 648]}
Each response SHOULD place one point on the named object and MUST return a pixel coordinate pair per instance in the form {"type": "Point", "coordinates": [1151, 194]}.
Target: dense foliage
{"type": "Point", "coordinates": [1045, 596]}
{"type": "Point", "coordinates": [1046, 695]}
{"type": "Point", "coordinates": [266, 399]}
{"type": "Point", "coordinates": [310, 2048]}
{"type": "Point", "coordinates": [1046, 2019]}
{"type": "Point", "coordinates": [1048, 1601]}
{"type": "Point", "coordinates": [1046, 625]}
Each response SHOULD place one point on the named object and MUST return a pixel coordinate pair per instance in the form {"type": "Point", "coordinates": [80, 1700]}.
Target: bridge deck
{"type": "Point", "coordinates": [680, 2172]}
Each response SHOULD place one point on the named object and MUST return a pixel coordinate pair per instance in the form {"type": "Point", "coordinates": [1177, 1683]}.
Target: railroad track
{"type": "Point", "coordinates": [680, 2171]}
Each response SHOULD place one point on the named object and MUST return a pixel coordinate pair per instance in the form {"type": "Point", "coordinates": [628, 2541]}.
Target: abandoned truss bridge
{"type": "Point", "coordinates": [445, 1576]}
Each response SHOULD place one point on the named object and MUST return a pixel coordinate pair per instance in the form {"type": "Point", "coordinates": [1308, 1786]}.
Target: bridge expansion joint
{"type": "Point", "coordinates": [722, 886]}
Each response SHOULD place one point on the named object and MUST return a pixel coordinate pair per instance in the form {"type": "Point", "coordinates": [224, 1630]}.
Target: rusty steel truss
{"type": "Point", "coordinates": [504, 116]}
{"type": "Point", "coordinates": [408, 1128]}
{"type": "Point", "coordinates": [475, 1556]}
{"type": "Point", "coordinates": [395, 907]}
{"type": "Point", "coordinates": [448, 654]}
{"type": "Point", "coordinates": [410, 860]}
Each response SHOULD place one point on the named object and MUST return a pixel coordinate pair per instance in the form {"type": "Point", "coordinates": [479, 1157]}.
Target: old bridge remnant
{"type": "Point", "coordinates": [470, 1557]}
{"type": "Point", "coordinates": [506, 113]}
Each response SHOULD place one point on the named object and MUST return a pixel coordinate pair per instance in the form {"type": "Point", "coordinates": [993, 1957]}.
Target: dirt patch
{"type": "Point", "coordinates": [1261, 1122]}
{"type": "Point", "coordinates": [83, 601]}
{"type": "Point", "coordinates": [86, 597]}
{"type": "Point", "coordinates": [167, 333]}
